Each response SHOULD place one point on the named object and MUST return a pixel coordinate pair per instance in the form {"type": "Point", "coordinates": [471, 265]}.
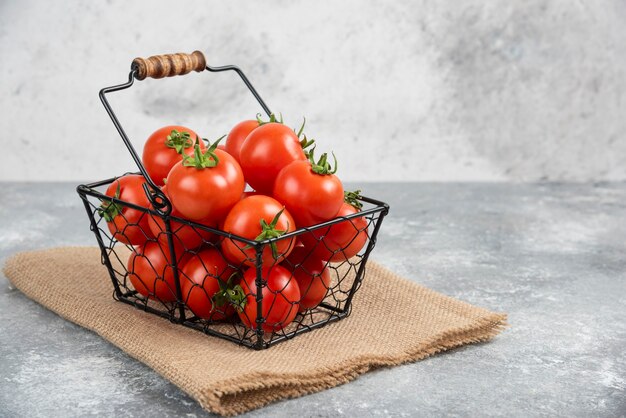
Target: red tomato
{"type": "Point", "coordinates": [151, 273]}
{"type": "Point", "coordinates": [267, 150]}
{"type": "Point", "coordinates": [280, 298]}
{"type": "Point", "coordinates": [200, 283]}
{"type": "Point", "coordinates": [184, 235]}
{"type": "Point", "coordinates": [245, 220]}
{"type": "Point", "coordinates": [237, 135]}
{"type": "Point", "coordinates": [250, 193]}
{"type": "Point", "coordinates": [127, 225]}
{"type": "Point", "coordinates": [310, 197]}
{"type": "Point", "coordinates": [206, 194]}
{"type": "Point", "coordinates": [311, 274]}
{"type": "Point", "coordinates": [340, 241]}
{"type": "Point", "coordinates": [163, 149]}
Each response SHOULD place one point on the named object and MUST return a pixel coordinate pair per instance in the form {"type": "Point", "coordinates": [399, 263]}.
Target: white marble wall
{"type": "Point", "coordinates": [402, 90]}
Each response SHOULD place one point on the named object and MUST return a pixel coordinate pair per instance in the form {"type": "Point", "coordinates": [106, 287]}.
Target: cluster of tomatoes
{"type": "Point", "coordinates": [206, 184]}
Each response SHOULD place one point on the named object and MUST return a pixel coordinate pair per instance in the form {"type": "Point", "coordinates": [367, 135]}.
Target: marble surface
{"type": "Point", "coordinates": [551, 255]}
{"type": "Point", "coordinates": [473, 90]}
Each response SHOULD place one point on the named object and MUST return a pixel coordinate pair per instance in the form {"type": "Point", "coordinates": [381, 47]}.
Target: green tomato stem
{"type": "Point", "coordinates": [273, 119]}
{"type": "Point", "coordinates": [178, 140]}
{"type": "Point", "coordinates": [352, 198]}
{"type": "Point", "coordinates": [322, 166]}
{"type": "Point", "coordinates": [109, 209]}
{"type": "Point", "coordinates": [201, 160]}
{"type": "Point", "coordinates": [229, 294]}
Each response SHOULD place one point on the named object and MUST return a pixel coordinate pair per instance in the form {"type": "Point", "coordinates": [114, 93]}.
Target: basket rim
{"type": "Point", "coordinates": [377, 206]}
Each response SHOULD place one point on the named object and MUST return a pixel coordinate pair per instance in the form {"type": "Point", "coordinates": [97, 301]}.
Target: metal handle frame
{"type": "Point", "coordinates": [163, 207]}
{"type": "Point", "coordinates": [157, 198]}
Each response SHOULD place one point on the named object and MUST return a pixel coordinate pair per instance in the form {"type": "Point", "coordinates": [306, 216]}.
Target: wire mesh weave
{"type": "Point", "coordinates": [271, 299]}
{"type": "Point", "coordinates": [155, 278]}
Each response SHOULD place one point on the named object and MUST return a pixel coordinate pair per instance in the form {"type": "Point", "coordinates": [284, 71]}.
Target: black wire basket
{"type": "Point", "coordinates": [166, 287]}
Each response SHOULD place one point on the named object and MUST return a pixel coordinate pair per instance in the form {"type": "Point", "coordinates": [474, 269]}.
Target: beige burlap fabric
{"type": "Point", "coordinates": [393, 321]}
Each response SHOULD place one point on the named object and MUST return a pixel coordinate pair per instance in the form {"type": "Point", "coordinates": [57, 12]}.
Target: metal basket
{"type": "Point", "coordinates": [169, 295]}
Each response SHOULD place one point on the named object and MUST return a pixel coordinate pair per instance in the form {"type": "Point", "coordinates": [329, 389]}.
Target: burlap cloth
{"type": "Point", "coordinates": [393, 321]}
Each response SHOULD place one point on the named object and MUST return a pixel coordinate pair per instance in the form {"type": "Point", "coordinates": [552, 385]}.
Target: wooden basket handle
{"type": "Point", "coordinates": [168, 65]}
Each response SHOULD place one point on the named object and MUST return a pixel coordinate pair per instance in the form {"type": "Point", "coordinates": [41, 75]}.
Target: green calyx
{"type": "Point", "coordinates": [273, 119]}
{"type": "Point", "coordinates": [199, 159]}
{"type": "Point", "coordinates": [352, 198]}
{"type": "Point", "coordinates": [269, 231]}
{"type": "Point", "coordinates": [109, 209]}
{"type": "Point", "coordinates": [304, 141]}
{"type": "Point", "coordinates": [322, 166]}
{"type": "Point", "coordinates": [229, 294]}
{"type": "Point", "coordinates": [178, 140]}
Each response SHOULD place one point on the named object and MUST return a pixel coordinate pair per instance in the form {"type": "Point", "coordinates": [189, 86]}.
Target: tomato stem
{"type": "Point", "coordinates": [201, 160]}
{"type": "Point", "coordinates": [273, 119]}
{"type": "Point", "coordinates": [301, 127]}
{"type": "Point", "coordinates": [178, 140]}
{"type": "Point", "coordinates": [322, 166]}
{"type": "Point", "coordinates": [304, 141]}
{"type": "Point", "coordinates": [229, 294]}
{"type": "Point", "coordinates": [352, 198]}
{"type": "Point", "coordinates": [269, 231]}
{"type": "Point", "coordinates": [109, 209]}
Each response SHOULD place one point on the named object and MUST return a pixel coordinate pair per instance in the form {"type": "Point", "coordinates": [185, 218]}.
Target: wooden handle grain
{"type": "Point", "coordinates": [169, 65]}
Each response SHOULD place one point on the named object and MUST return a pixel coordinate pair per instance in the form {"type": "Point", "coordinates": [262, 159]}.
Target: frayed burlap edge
{"type": "Point", "coordinates": [266, 389]}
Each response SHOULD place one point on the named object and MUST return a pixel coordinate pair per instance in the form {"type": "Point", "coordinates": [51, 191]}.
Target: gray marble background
{"type": "Point", "coordinates": [472, 90]}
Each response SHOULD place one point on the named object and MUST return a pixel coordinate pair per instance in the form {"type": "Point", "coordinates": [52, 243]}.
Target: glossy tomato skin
{"type": "Point", "coordinates": [250, 193]}
{"type": "Point", "coordinates": [311, 198]}
{"type": "Point", "coordinates": [244, 220]}
{"type": "Point", "coordinates": [311, 274]}
{"type": "Point", "coordinates": [267, 150]}
{"type": "Point", "coordinates": [238, 135]}
{"type": "Point", "coordinates": [339, 241]}
{"type": "Point", "coordinates": [200, 277]}
{"type": "Point", "coordinates": [184, 235]}
{"type": "Point", "coordinates": [280, 298]}
{"type": "Point", "coordinates": [206, 194]}
{"type": "Point", "coordinates": [131, 225]}
{"type": "Point", "coordinates": [158, 158]}
{"type": "Point", "coordinates": [150, 271]}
